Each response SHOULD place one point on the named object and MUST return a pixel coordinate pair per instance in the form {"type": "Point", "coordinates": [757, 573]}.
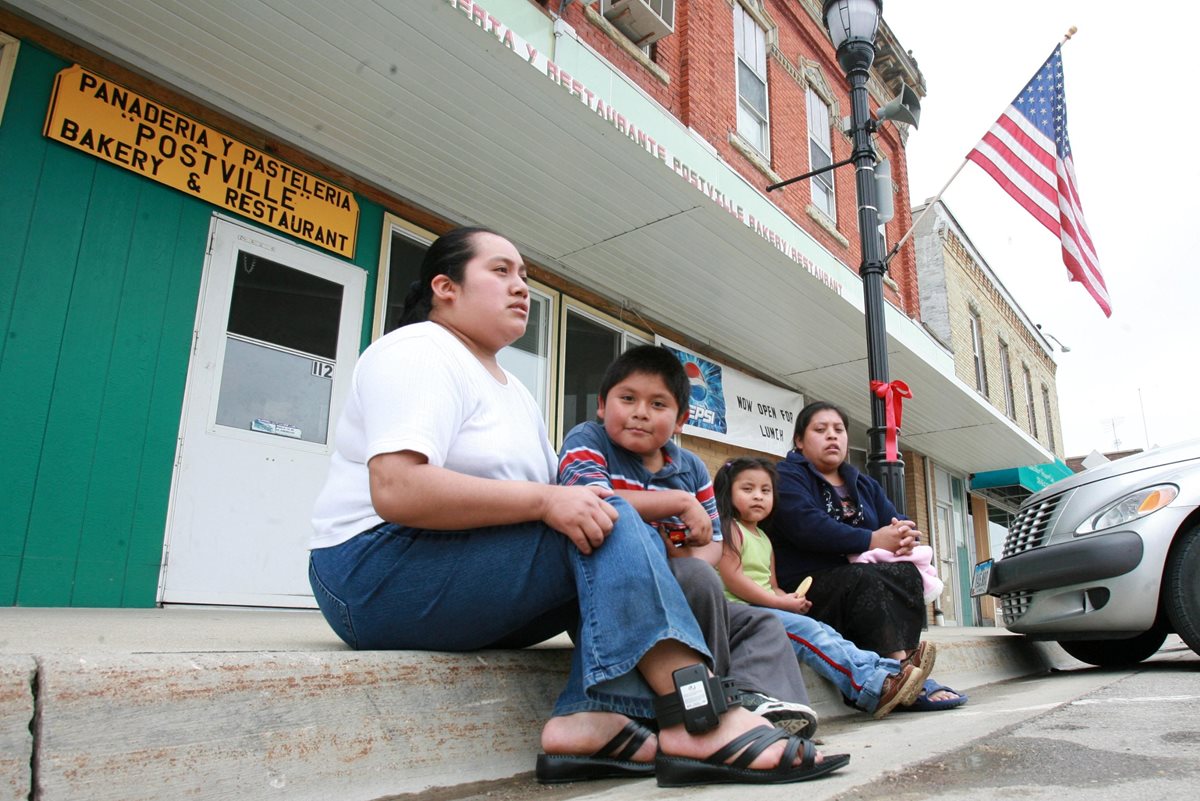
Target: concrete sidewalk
{"type": "Point", "coordinates": [221, 703]}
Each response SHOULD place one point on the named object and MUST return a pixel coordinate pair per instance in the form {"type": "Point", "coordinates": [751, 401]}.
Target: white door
{"type": "Point", "coordinates": [277, 334]}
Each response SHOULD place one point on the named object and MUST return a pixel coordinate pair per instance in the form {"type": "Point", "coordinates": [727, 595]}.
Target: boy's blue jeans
{"type": "Point", "coordinates": [395, 587]}
{"type": "Point", "coordinates": [857, 673]}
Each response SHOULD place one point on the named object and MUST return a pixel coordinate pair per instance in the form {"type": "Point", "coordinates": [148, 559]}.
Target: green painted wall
{"type": "Point", "coordinates": [99, 277]}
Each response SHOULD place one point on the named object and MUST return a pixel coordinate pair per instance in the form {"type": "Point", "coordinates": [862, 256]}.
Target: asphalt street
{"type": "Point", "coordinates": [1073, 734]}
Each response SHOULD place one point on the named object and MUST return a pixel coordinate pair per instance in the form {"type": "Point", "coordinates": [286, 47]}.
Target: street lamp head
{"type": "Point", "coordinates": [852, 25]}
{"type": "Point", "coordinates": [852, 20]}
{"type": "Point", "coordinates": [1056, 340]}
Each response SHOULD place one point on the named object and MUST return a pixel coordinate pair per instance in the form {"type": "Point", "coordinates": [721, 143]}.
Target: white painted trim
{"type": "Point", "coordinates": [8, 63]}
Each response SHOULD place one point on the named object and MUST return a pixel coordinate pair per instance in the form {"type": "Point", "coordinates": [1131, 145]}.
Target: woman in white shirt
{"type": "Point", "coordinates": [440, 505]}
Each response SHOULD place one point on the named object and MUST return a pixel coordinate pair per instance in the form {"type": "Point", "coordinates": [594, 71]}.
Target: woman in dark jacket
{"type": "Point", "coordinates": [827, 510]}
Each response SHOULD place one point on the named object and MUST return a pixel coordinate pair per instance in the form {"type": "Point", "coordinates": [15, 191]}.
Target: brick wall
{"type": "Point", "coordinates": [970, 289]}
{"type": "Point", "coordinates": [714, 454]}
{"type": "Point", "coordinates": [694, 78]}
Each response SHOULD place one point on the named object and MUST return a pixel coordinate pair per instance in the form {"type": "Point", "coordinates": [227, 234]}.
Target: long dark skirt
{"type": "Point", "coordinates": [877, 606]}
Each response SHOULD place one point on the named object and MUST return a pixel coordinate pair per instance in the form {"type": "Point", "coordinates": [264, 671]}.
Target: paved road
{"type": "Point", "coordinates": [1076, 734]}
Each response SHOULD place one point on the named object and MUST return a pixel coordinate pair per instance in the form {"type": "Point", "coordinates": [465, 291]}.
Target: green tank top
{"type": "Point", "coordinates": [756, 558]}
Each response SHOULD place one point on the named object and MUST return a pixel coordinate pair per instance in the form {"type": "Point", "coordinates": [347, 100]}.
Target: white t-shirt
{"type": "Point", "coordinates": [419, 389]}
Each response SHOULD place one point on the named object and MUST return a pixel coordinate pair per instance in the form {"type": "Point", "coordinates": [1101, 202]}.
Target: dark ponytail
{"type": "Point", "coordinates": [448, 256]}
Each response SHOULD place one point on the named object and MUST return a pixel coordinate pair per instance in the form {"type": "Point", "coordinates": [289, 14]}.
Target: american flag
{"type": "Point", "coordinates": [1028, 153]}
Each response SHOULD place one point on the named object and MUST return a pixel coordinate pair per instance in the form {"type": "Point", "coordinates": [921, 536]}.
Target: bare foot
{"type": "Point", "coordinates": [677, 742]}
{"type": "Point", "coordinates": [585, 733]}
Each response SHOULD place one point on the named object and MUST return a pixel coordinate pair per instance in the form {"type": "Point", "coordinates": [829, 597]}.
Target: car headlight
{"type": "Point", "coordinates": [1131, 507]}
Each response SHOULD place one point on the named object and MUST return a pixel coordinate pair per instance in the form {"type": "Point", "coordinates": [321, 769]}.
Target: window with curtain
{"type": "Point", "coordinates": [820, 154]}
{"type": "Point", "coordinates": [750, 42]}
{"type": "Point", "coordinates": [1049, 417]}
{"type": "Point", "coordinates": [977, 354]}
{"type": "Point", "coordinates": [1010, 407]}
{"type": "Point", "coordinates": [1029, 405]}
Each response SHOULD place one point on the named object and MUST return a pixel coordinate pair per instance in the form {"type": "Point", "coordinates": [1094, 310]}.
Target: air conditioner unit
{"type": "Point", "coordinates": [643, 21]}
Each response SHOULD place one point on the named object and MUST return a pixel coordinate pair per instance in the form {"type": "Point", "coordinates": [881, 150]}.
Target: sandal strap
{"type": "Point", "coordinates": [755, 741]}
{"type": "Point", "coordinates": [633, 736]}
{"type": "Point", "coordinates": [807, 760]}
{"type": "Point", "coordinates": [750, 744]}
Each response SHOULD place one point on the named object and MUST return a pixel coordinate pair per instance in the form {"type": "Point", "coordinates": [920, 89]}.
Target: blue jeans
{"type": "Point", "coordinates": [395, 587]}
{"type": "Point", "coordinates": [857, 673]}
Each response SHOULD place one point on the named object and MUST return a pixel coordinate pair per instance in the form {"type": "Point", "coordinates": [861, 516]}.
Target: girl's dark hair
{"type": "Point", "coordinates": [448, 255]}
{"type": "Point", "coordinates": [809, 412]}
{"type": "Point", "coordinates": [723, 490]}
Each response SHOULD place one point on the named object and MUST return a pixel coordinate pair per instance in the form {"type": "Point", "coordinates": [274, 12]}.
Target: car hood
{"type": "Point", "coordinates": [1156, 457]}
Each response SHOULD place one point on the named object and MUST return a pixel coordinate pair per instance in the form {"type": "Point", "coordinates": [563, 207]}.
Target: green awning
{"type": "Point", "coordinates": [1012, 485]}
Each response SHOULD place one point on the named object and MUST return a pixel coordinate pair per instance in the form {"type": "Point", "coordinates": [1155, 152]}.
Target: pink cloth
{"type": "Point", "coordinates": [921, 556]}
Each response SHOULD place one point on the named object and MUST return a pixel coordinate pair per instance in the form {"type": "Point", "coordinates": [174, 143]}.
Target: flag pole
{"type": "Point", "coordinates": [921, 216]}
{"type": "Point", "coordinates": [899, 244]}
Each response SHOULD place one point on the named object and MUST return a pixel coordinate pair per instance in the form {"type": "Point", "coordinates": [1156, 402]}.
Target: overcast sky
{"type": "Point", "coordinates": [1129, 379]}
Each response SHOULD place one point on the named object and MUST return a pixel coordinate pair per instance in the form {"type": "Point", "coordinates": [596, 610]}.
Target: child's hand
{"type": "Point", "coordinates": [790, 603]}
{"type": "Point", "coordinates": [580, 514]}
{"type": "Point", "coordinates": [698, 522]}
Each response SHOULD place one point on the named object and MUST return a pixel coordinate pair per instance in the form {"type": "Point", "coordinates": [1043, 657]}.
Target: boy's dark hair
{"type": "Point", "coordinates": [448, 255]}
{"type": "Point", "coordinates": [808, 412]}
{"type": "Point", "coordinates": [649, 360]}
{"type": "Point", "coordinates": [723, 490]}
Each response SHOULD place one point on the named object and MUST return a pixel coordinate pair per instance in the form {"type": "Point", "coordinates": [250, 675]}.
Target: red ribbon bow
{"type": "Point", "coordinates": [892, 392]}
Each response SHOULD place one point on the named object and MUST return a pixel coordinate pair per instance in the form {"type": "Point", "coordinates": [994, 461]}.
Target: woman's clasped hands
{"type": "Point", "coordinates": [899, 537]}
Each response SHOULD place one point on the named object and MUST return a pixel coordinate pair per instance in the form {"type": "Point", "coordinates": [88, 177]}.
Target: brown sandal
{"type": "Point", "coordinates": [900, 689]}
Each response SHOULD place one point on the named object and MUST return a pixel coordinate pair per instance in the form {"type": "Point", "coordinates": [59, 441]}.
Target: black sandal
{"type": "Point", "coordinates": [698, 702]}
{"type": "Point", "coordinates": [612, 761]}
{"type": "Point", "coordinates": [673, 771]}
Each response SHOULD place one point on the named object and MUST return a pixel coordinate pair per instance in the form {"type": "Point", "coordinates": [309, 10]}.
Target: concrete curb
{"type": "Point", "coordinates": [218, 704]}
{"type": "Point", "coordinates": [16, 717]}
{"type": "Point", "coordinates": [296, 726]}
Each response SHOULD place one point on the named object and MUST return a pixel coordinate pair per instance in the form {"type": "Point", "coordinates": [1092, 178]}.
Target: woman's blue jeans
{"type": "Point", "coordinates": [396, 587]}
{"type": "Point", "coordinates": [857, 673]}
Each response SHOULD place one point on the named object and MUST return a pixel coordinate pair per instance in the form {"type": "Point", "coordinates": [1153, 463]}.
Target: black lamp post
{"type": "Point", "coordinates": [852, 25]}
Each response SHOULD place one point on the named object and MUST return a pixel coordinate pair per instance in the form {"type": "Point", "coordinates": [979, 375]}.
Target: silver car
{"type": "Point", "coordinates": [1107, 562]}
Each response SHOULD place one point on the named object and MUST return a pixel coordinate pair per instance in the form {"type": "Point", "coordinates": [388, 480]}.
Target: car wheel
{"type": "Point", "coordinates": [1116, 653]}
{"type": "Point", "coordinates": [1181, 587]}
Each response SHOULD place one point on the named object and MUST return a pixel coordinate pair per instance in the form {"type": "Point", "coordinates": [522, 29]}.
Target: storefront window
{"type": "Point", "coordinates": [528, 358]}
{"type": "Point", "coordinates": [590, 344]}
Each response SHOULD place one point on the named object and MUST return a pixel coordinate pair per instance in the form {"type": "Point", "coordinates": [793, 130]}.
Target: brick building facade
{"type": "Point", "coordinates": [693, 74]}
{"type": "Point", "coordinates": [632, 177]}
{"type": "Point", "coordinates": [998, 352]}
{"type": "Point", "coordinates": [963, 303]}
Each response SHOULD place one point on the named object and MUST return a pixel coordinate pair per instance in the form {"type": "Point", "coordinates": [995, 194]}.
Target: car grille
{"type": "Point", "coordinates": [1029, 528]}
{"type": "Point", "coordinates": [1013, 605]}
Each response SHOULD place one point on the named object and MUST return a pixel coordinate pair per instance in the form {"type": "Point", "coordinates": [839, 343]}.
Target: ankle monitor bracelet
{"type": "Point", "coordinates": [698, 700]}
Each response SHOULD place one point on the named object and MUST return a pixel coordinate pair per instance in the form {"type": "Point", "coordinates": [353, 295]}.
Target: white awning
{"type": "Point", "coordinates": [420, 100]}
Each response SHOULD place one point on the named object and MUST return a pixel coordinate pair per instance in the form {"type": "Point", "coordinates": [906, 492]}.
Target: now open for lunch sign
{"type": "Point", "coordinates": [93, 114]}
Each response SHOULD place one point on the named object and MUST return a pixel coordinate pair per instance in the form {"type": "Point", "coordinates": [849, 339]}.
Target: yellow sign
{"type": "Point", "coordinates": [93, 114]}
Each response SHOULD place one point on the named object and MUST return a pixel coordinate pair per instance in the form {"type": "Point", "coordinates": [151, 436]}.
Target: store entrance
{"type": "Point", "coordinates": [277, 334]}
